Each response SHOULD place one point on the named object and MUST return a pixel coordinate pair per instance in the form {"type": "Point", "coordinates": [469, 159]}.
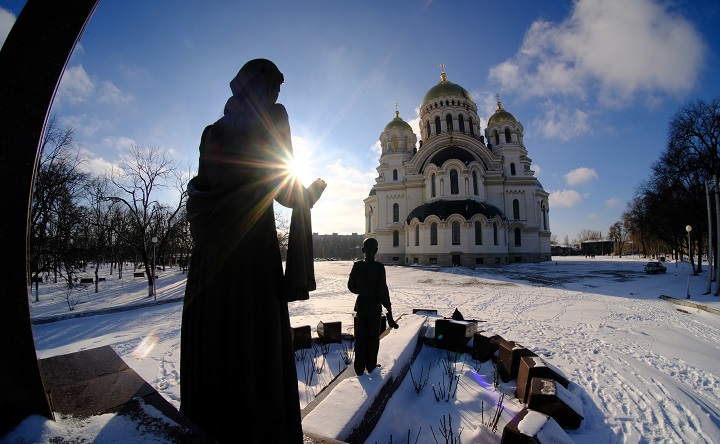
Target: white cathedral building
{"type": "Point", "coordinates": [455, 199]}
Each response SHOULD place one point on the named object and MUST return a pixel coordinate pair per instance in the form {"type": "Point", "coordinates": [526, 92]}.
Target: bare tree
{"type": "Point", "coordinates": [586, 235]}
{"type": "Point", "coordinates": [618, 234]}
{"type": "Point", "coordinates": [282, 225]}
{"type": "Point", "coordinates": [58, 184]}
{"type": "Point", "coordinates": [99, 226]}
{"type": "Point", "coordinates": [143, 173]}
{"type": "Point", "coordinates": [692, 158]}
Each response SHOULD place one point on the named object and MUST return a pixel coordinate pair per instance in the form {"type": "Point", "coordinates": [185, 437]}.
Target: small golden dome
{"type": "Point", "coordinates": [501, 115]}
{"type": "Point", "coordinates": [397, 123]}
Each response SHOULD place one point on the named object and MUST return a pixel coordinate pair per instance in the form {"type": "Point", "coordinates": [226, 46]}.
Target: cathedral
{"type": "Point", "coordinates": [456, 197]}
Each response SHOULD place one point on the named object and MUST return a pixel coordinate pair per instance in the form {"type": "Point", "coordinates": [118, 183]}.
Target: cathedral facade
{"type": "Point", "coordinates": [458, 196]}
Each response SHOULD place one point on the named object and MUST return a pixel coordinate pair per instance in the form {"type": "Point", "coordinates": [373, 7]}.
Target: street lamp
{"type": "Point", "coordinates": [152, 276]}
{"type": "Point", "coordinates": [688, 228]}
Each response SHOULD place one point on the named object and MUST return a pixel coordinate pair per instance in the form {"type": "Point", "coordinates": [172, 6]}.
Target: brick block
{"type": "Point", "coordinates": [485, 345]}
{"type": "Point", "coordinates": [453, 335]}
{"type": "Point", "coordinates": [548, 396]}
{"type": "Point", "coordinates": [531, 427]}
{"type": "Point", "coordinates": [509, 354]}
{"type": "Point", "coordinates": [301, 337]}
{"type": "Point", "coordinates": [534, 367]}
{"type": "Point", "coordinates": [330, 332]}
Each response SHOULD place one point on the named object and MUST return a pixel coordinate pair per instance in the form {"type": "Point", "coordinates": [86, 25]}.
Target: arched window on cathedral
{"type": "Point", "coordinates": [475, 183]}
{"type": "Point", "coordinates": [369, 221]}
{"type": "Point", "coordinates": [417, 235]}
{"type": "Point", "coordinates": [495, 233]}
{"type": "Point", "coordinates": [478, 233]}
{"type": "Point", "coordinates": [497, 137]}
{"type": "Point", "coordinates": [438, 128]}
{"type": "Point", "coordinates": [448, 122]}
{"type": "Point", "coordinates": [461, 123]}
{"type": "Point", "coordinates": [516, 209]}
{"type": "Point", "coordinates": [433, 233]}
{"type": "Point", "coordinates": [454, 188]}
{"type": "Point", "coordinates": [396, 238]}
{"type": "Point", "coordinates": [395, 143]}
{"type": "Point", "coordinates": [456, 233]}
{"type": "Point", "coordinates": [471, 125]}
{"type": "Point", "coordinates": [512, 168]}
{"type": "Point", "coordinates": [543, 210]}
{"type": "Point", "coordinates": [396, 212]}
{"type": "Point", "coordinates": [427, 129]}
{"type": "Point", "coordinates": [395, 174]}
{"type": "Point", "coordinates": [508, 139]}
{"type": "Point", "coordinates": [433, 190]}
{"type": "Point", "coordinates": [518, 237]}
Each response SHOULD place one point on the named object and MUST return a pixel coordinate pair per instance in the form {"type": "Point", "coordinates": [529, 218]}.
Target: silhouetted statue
{"type": "Point", "coordinates": [367, 280]}
{"type": "Point", "coordinates": [238, 380]}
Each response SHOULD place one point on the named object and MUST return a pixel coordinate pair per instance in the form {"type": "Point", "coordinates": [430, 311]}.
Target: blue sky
{"type": "Point", "coordinates": [594, 83]}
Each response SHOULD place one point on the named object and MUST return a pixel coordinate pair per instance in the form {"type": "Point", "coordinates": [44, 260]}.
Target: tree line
{"type": "Point", "coordinates": [676, 208]}
{"type": "Point", "coordinates": [79, 219]}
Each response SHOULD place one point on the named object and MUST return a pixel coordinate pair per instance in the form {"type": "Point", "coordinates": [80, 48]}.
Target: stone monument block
{"type": "Point", "coordinates": [509, 354]}
{"type": "Point", "coordinates": [531, 427]}
{"type": "Point", "coordinates": [548, 396]}
{"type": "Point", "coordinates": [453, 335]}
{"type": "Point", "coordinates": [330, 332]}
{"type": "Point", "coordinates": [301, 337]}
{"type": "Point", "coordinates": [535, 367]}
{"type": "Point", "coordinates": [485, 345]}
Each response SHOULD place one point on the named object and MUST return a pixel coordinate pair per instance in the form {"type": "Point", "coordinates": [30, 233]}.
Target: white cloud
{"type": "Point", "coordinates": [87, 126]}
{"type": "Point", "coordinates": [580, 175]}
{"type": "Point", "coordinates": [564, 198]}
{"type": "Point", "coordinates": [75, 86]}
{"type": "Point", "coordinates": [559, 122]}
{"type": "Point", "coordinates": [119, 144]}
{"type": "Point", "coordinates": [97, 166]}
{"type": "Point", "coordinates": [109, 93]}
{"type": "Point", "coordinates": [626, 48]}
{"type": "Point", "coordinates": [7, 20]}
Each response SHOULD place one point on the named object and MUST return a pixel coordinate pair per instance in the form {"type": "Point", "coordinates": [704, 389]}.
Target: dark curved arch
{"type": "Point", "coordinates": [33, 58]}
{"type": "Point", "coordinates": [451, 152]}
{"type": "Point", "coordinates": [443, 209]}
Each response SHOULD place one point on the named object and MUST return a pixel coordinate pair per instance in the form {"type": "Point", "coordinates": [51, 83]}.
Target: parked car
{"type": "Point", "coordinates": [655, 267]}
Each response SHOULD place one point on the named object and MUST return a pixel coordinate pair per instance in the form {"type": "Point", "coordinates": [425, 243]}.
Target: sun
{"type": "Point", "coordinates": [302, 165]}
{"type": "Point", "coordinates": [300, 169]}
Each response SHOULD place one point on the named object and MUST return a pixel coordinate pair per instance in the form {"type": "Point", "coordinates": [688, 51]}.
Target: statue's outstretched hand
{"type": "Point", "coordinates": [316, 189]}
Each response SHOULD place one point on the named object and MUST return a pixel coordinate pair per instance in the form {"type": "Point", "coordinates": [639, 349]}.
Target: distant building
{"type": "Point", "coordinates": [597, 247]}
{"type": "Point", "coordinates": [452, 199]}
{"type": "Point", "coordinates": [338, 246]}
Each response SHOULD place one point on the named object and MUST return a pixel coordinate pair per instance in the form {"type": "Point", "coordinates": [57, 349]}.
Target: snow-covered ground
{"type": "Point", "coordinates": [644, 369]}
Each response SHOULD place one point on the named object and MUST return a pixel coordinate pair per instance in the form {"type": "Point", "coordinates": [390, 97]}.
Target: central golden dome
{"type": "Point", "coordinates": [446, 88]}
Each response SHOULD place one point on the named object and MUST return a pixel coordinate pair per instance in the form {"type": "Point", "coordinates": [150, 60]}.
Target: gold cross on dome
{"type": "Point", "coordinates": [442, 67]}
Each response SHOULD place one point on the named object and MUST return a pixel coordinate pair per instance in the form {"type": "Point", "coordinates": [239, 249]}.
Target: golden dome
{"type": "Point", "coordinates": [501, 115]}
{"type": "Point", "coordinates": [397, 123]}
{"type": "Point", "coordinates": [446, 88]}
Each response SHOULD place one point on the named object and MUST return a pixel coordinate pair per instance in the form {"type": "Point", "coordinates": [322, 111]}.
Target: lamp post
{"type": "Point", "coordinates": [152, 276]}
{"type": "Point", "coordinates": [688, 228]}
